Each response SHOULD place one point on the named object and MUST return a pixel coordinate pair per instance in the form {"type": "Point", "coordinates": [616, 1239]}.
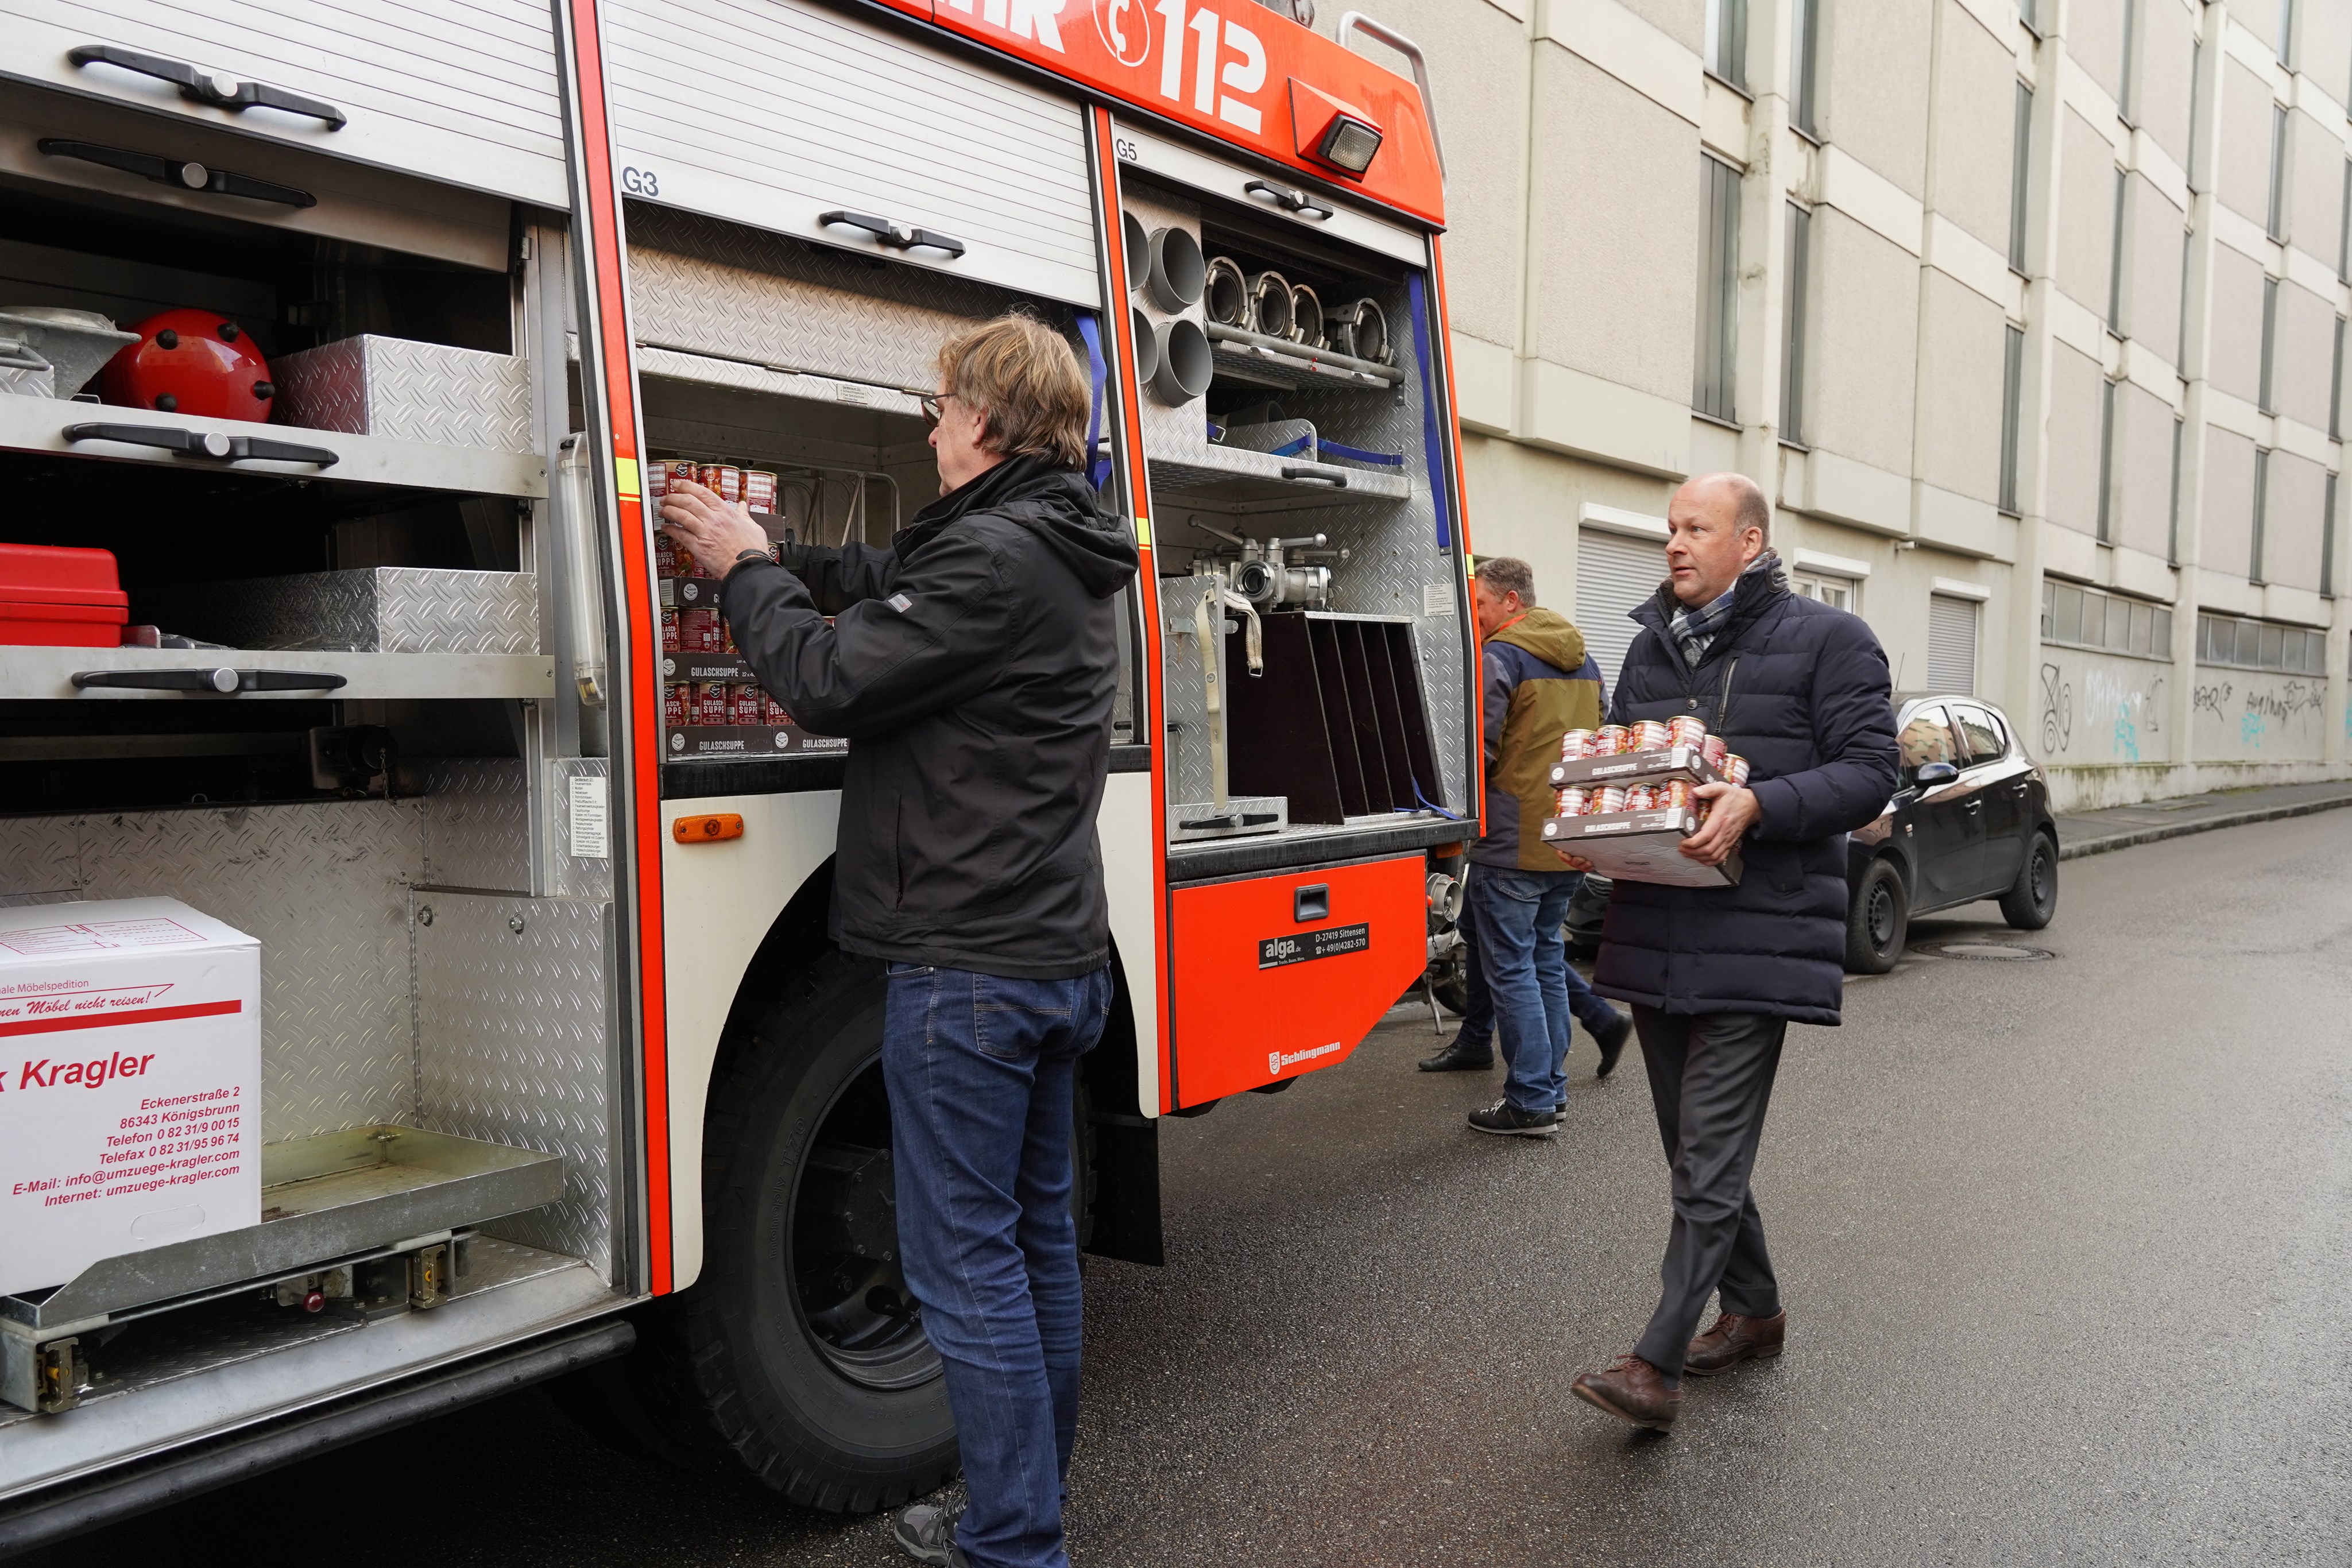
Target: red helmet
{"type": "Point", "coordinates": [189, 362]}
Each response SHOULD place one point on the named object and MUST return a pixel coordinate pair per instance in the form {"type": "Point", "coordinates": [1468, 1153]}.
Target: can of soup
{"type": "Point", "coordinates": [1609, 740]}
{"type": "Point", "coordinates": [665, 555]}
{"type": "Point", "coordinates": [1648, 735]}
{"type": "Point", "coordinates": [712, 702]}
{"type": "Point", "coordinates": [749, 703]}
{"type": "Point", "coordinates": [1686, 729]}
{"type": "Point", "coordinates": [669, 630]}
{"type": "Point", "coordinates": [1608, 799]}
{"type": "Point", "coordinates": [1673, 795]}
{"type": "Point", "coordinates": [1714, 751]}
{"type": "Point", "coordinates": [674, 469]}
{"type": "Point", "coordinates": [1734, 769]}
{"type": "Point", "coordinates": [772, 713]}
{"type": "Point", "coordinates": [1574, 801]}
{"type": "Point", "coordinates": [759, 489]}
{"type": "Point", "coordinates": [1575, 744]}
{"type": "Point", "coordinates": [698, 632]}
{"type": "Point", "coordinates": [673, 708]}
{"type": "Point", "coordinates": [727, 636]}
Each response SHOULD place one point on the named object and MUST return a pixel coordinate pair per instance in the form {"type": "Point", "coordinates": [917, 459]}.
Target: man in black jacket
{"type": "Point", "coordinates": [1716, 974]}
{"type": "Point", "coordinates": [972, 665]}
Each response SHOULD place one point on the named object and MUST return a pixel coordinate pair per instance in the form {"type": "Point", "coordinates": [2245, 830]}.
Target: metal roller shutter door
{"type": "Point", "coordinates": [1613, 574]}
{"type": "Point", "coordinates": [1951, 644]}
{"type": "Point", "coordinates": [797, 112]}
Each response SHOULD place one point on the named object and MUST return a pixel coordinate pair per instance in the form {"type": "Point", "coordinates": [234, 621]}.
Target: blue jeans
{"type": "Point", "coordinates": [981, 1072]}
{"type": "Point", "coordinates": [1519, 979]}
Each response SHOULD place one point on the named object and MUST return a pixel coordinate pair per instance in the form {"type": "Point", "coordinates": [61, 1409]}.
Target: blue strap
{"type": "Point", "coordinates": [1090, 330]}
{"type": "Point", "coordinates": [1358, 455]}
{"type": "Point", "coordinates": [1432, 440]}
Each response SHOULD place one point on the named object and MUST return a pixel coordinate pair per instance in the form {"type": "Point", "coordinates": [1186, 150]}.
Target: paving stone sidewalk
{"type": "Point", "coordinates": [2120, 827]}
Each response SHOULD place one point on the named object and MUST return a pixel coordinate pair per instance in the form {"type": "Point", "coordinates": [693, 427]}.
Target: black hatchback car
{"type": "Point", "coordinates": [1969, 820]}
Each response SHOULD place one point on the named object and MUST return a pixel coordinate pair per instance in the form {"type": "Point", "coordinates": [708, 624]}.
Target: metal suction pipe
{"type": "Point", "coordinates": [1185, 364]}
{"type": "Point", "coordinates": [1226, 298]}
{"type": "Point", "coordinates": [1269, 304]}
{"type": "Point", "coordinates": [1176, 270]}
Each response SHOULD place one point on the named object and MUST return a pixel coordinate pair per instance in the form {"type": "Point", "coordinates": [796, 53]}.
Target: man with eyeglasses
{"type": "Point", "coordinates": [972, 665]}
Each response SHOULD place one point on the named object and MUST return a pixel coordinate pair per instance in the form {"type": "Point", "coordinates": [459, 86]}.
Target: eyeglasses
{"type": "Point", "coordinates": [932, 409]}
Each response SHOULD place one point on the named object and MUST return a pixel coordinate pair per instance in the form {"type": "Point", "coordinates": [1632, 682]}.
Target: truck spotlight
{"type": "Point", "coordinates": [1348, 143]}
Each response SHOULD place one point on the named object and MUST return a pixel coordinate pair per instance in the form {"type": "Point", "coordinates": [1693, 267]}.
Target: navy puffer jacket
{"type": "Point", "coordinates": [1809, 707]}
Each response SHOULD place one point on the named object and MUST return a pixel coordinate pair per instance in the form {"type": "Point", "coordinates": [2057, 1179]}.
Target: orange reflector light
{"type": "Point", "coordinates": [707, 830]}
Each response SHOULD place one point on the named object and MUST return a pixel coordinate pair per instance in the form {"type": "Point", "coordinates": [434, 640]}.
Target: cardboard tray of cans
{"type": "Point", "coordinates": [1684, 761]}
{"type": "Point", "coordinates": [1640, 846]}
{"type": "Point", "coordinates": [704, 742]}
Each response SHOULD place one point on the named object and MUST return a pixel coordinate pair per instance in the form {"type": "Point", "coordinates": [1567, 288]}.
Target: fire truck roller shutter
{"type": "Point", "coordinates": [815, 115]}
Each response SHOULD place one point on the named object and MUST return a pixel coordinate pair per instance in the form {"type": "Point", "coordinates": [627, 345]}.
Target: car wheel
{"type": "Point", "coordinates": [1877, 920]}
{"type": "Point", "coordinates": [2029, 905]}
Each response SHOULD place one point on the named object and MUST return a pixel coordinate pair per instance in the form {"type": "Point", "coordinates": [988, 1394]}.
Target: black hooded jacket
{"type": "Point", "coordinates": [973, 666]}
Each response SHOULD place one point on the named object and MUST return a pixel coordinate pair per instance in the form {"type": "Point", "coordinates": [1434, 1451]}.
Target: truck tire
{"type": "Point", "coordinates": [799, 1341]}
{"type": "Point", "coordinates": [1876, 921]}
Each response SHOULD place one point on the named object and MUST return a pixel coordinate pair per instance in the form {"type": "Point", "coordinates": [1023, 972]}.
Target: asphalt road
{"type": "Point", "coordinates": [2065, 1244]}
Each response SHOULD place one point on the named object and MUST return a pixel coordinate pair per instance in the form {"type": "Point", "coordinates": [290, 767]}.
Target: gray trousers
{"type": "Point", "coordinates": [1710, 1080]}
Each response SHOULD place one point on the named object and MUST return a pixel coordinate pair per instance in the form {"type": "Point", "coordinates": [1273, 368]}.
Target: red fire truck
{"type": "Point", "coordinates": [556, 1064]}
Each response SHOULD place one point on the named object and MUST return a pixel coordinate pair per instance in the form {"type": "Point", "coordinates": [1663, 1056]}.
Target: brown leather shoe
{"type": "Point", "coordinates": [1733, 1339]}
{"type": "Point", "coordinates": [1632, 1390]}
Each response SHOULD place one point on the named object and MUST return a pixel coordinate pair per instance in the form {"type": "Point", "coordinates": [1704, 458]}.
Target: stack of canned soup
{"type": "Point", "coordinates": [1648, 735]}
{"type": "Point", "coordinates": [736, 702]}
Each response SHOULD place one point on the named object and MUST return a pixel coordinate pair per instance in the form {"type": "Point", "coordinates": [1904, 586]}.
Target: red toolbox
{"type": "Point", "coordinates": [61, 597]}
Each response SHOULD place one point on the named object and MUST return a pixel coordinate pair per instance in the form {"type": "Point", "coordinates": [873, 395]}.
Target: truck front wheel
{"type": "Point", "coordinates": [803, 1345]}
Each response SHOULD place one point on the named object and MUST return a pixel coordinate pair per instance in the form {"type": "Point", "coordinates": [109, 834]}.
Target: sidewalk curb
{"type": "Point", "coordinates": [2125, 841]}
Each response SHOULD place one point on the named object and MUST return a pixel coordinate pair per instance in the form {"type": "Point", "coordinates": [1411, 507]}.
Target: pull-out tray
{"type": "Point", "coordinates": [322, 1199]}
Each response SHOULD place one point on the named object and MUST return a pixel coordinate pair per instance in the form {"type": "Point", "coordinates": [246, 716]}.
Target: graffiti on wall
{"type": "Point", "coordinates": [2247, 716]}
{"type": "Point", "coordinates": [2100, 708]}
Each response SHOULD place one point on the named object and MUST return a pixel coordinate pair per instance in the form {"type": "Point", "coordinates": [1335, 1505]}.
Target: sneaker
{"type": "Point", "coordinates": [926, 1532]}
{"type": "Point", "coordinates": [1454, 1058]}
{"type": "Point", "coordinates": [1612, 1043]}
{"type": "Point", "coordinates": [1506, 1120]}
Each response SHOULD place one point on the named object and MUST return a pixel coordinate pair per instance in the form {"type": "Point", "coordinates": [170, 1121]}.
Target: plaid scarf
{"type": "Point", "coordinates": [1695, 630]}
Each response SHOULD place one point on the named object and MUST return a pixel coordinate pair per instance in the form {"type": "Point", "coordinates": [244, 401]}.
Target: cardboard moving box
{"type": "Point", "coordinates": [130, 1084]}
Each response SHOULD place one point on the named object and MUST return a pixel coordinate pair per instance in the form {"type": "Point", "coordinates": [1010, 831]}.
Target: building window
{"type": "Point", "coordinates": [2124, 71]}
{"type": "Point", "coordinates": [1793, 379]}
{"type": "Point", "coordinates": [2261, 510]}
{"type": "Point", "coordinates": [2081, 617]}
{"type": "Point", "coordinates": [1726, 41]}
{"type": "Point", "coordinates": [2196, 65]}
{"type": "Point", "coordinates": [2030, 12]}
{"type": "Point", "coordinates": [2020, 170]}
{"type": "Point", "coordinates": [2115, 259]}
{"type": "Point", "coordinates": [1837, 592]}
{"type": "Point", "coordinates": [2276, 226]}
{"type": "Point", "coordinates": [1805, 20]}
{"type": "Point", "coordinates": [2327, 541]}
{"type": "Point", "coordinates": [2344, 228]}
{"type": "Point", "coordinates": [2012, 388]}
{"type": "Point", "coordinates": [2180, 348]}
{"type": "Point", "coordinates": [2172, 512]}
{"type": "Point", "coordinates": [1718, 290]}
{"type": "Point", "coordinates": [2253, 644]}
{"type": "Point", "coordinates": [2106, 462]}
{"type": "Point", "coordinates": [2335, 387]}
{"type": "Point", "coordinates": [2270, 343]}
{"type": "Point", "coordinates": [1951, 644]}
{"type": "Point", "coordinates": [2287, 31]}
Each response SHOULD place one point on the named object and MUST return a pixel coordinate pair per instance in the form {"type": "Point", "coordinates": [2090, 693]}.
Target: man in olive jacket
{"type": "Point", "coordinates": [1538, 685]}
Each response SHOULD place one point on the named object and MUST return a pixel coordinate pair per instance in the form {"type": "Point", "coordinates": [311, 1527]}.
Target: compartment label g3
{"type": "Point", "coordinates": [1276, 951]}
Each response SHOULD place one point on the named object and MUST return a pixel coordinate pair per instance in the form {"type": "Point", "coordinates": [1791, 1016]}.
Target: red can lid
{"type": "Point", "coordinates": [59, 574]}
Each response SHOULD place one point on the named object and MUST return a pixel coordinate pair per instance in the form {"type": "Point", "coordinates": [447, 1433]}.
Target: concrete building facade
{"type": "Point", "coordinates": [2029, 317]}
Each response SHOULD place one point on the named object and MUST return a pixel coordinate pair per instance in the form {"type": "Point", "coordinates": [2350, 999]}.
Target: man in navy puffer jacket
{"type": "Point", "coordinates": [1716, 974]}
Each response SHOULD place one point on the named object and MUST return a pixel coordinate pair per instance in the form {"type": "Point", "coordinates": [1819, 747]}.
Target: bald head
{"type": "Point", "coordinates": [1715, 524]}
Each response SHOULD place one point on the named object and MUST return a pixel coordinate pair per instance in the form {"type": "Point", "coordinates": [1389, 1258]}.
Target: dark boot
{"type": "Point", "coordinates": [1733, 1339]}
{"type": "Point", "coordinates": [1454, 1058]}
{"type": "Point", "coordinates": [1610, 1039]}
{"type": "Point", "coordinates": [1632, 1390]}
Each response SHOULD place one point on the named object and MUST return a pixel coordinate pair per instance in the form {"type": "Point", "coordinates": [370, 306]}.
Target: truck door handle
{"type": "Point", "coordinates": [226, 682]}
{"type": "Point", "coordinates": [892, 233]}
{"type": "Point", "coordinates": [1298, 204]}
{"type": "Point", "coordinates": [203, 444]}
{"type": "Point", "coordinates": [180, 173]}
{"type": "Point", "coordinates": [216, 88]}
